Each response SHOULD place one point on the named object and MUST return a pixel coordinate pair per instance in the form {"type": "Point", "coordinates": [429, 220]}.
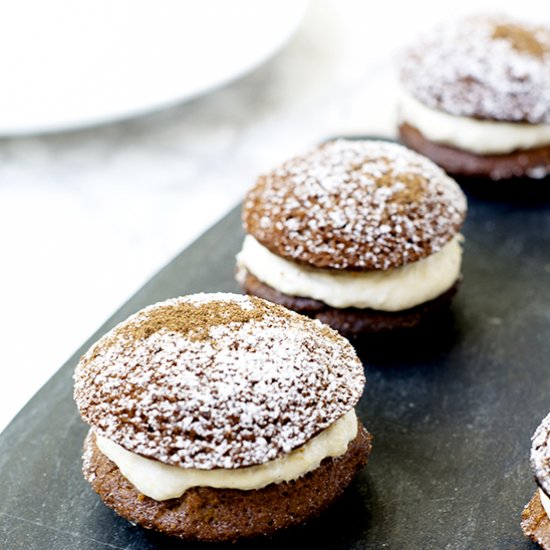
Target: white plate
{"type": "Point", "coordinates": [68, 64]}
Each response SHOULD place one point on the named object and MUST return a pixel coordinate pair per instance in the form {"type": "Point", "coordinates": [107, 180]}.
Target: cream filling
{"type": "Point", "coordinates": [392, 290]}
{"type": "Point", "coordinates": [545, 501]}
{"type": "Point", "coordinates": [162, 481]}
{"type": "Point", "coordinates": [482, 137]}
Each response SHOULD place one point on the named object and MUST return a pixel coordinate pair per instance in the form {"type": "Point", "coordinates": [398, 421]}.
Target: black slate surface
{"type": "Point", "coordinates": [452, 415]}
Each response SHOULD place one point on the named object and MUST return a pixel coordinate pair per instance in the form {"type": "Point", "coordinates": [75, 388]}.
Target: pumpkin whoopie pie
{"type": "Point", "coordinates": [219, 416]}
{"type": "Point", "coordinates": [361, 234]}
{"type": "Point", "coordinates": [536, 515]}
{"type": "Point", "coordinates": [475, 98]}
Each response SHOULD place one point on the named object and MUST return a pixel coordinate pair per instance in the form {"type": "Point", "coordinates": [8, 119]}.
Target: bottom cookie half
{"type": "Point", "coordinates": [530, 163]}
{"type": "Point", "coordinates": [354, 322]}
{"type": "Point", "coordinates": [209, 514]}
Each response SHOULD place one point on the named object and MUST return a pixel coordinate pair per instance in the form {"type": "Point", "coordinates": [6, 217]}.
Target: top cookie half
{"type": "Point", "coordinates": [355, 205]}
{"type": "Point", "coordinates": [216, 381]}
{"type": "Point", "coordinates": [491, 68]}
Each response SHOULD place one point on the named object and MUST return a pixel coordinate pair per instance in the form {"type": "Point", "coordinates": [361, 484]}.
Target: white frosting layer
{"type": "Point", "coordinates": [482, 137]}
{"type": "Point", "coordinates": [161, 481]}
{"type": "Point", "coordinates": [545, 501]}
{"type": "Point", "coordinates": [392, 290]}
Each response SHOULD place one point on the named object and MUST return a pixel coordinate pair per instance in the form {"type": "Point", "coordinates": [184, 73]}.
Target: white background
{"type": "Point", "coordinates": [86, 217]}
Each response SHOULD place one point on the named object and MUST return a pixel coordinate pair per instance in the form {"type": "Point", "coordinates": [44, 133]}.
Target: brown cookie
{"type": "Point", "coordinates": [218, 381]}
{"type": "Point", "coordinates": [354, 322]}
{"type": "Point", "coordinates": [208, 514]}
{"type": "Point", "coordinates": [355, 205]}
{"type": "Point", "coordinates": [181, 382]}
{"type": "Point", "coordinates": [535, 523]}
{"type": "Point", "coordinates": [531, 163]}
{"type": "Point", "coordinates": [490, 68]}
{"type": "Point", "coordinates": [485, 69]}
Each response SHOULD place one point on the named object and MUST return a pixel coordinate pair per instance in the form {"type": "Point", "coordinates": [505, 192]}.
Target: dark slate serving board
{"type": "Point", "coordinates": [452, 415]}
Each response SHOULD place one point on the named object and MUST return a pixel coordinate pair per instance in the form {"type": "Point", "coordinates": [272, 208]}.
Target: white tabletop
{"type": "Point", "coordinates": [87, 217]}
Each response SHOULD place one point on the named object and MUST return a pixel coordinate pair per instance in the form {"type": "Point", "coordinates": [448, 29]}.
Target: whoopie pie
{"type": "Point", "coordinates": [219, 416]}
{"type": "Point", "coordinates": [363, 235]}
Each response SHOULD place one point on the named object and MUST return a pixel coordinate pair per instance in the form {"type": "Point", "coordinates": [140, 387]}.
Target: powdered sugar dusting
{"type": "Point", "coordinates": [484, 67]}
{"type": "Point", "coordinates": [540, 454]}
{"type": "Point", "coordinates": [204, 298]}
{"type": "Point", "coordinates": [355, 205]}
{"type": "Point", "coordinates": [247, 393]}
